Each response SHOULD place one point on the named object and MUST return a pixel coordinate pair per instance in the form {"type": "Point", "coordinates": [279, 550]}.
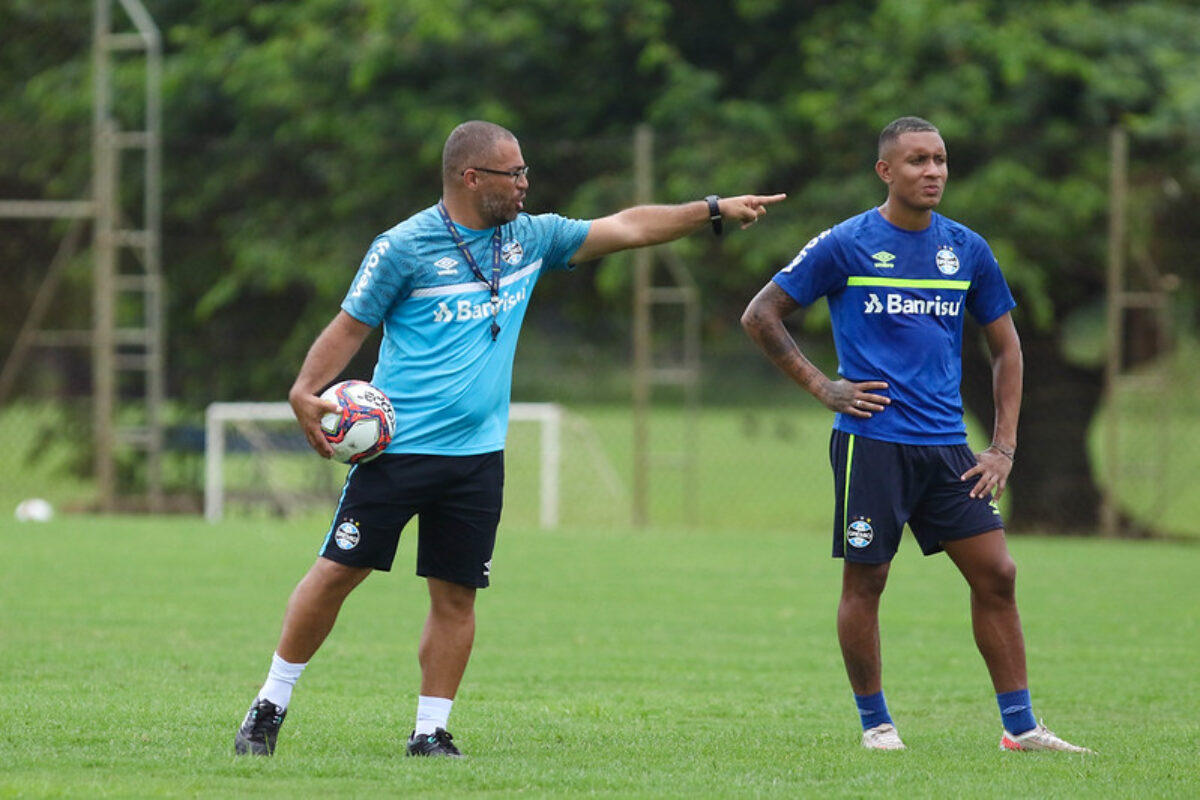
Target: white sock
{"type": "Point", "coordinates": [280, 680]}
{"type": "Point", "coordinates": [432, 713]}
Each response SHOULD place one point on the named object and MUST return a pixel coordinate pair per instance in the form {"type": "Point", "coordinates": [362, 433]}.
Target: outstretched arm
{"type": "Point", "coordinates": [327, 357]}
{"type": "Point", "coordinates": [763, 321]}
{"type": "Point", "coordinates": [1008, 368]}
{"type": "Point", "coordinates": [646, 225]}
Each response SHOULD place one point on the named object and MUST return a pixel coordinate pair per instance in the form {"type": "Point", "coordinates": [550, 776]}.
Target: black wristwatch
{"type": "Point", "coordinates": [714, 212]}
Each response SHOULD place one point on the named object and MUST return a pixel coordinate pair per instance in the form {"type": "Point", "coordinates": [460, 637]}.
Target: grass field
{"type": "Point", "coordinates": [609, 662]}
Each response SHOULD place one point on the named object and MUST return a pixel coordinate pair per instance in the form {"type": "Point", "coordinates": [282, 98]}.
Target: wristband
{"type": "Point", "coordinates": [714, 213]}
{"type": "Point", "coordinates": [1006, 453]}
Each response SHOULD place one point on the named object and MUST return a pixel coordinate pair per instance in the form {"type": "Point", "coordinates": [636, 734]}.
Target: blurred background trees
{"type": "Point", "coordinates": [296, 131]}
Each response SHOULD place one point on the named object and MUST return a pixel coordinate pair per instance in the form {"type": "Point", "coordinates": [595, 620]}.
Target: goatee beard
{"type": "Point", "coordinates": [495, 211]}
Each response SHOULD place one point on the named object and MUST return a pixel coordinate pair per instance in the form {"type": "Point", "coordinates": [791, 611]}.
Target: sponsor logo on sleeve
{"type": "Point", "coordinates": [811, 242]}
{"type": "Point", "coordinates": [368, 268]}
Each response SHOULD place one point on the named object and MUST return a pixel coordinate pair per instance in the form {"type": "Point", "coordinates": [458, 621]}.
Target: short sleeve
{"type": "Point", "coordinates": [381, 280]}
{"type": "Point", "coordinates": [564, 236]}
{"type": "Point", "coordinates": [816, 270]}
{"type": "Point", "coordinates": [989, 297]}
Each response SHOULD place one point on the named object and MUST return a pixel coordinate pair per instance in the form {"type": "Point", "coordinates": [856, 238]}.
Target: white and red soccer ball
{"type": "Point", "coordinates": [364, 427]}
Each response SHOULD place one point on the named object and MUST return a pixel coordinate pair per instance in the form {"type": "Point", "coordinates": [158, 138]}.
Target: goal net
{"type": "Point", "coordinates": [258, 461]}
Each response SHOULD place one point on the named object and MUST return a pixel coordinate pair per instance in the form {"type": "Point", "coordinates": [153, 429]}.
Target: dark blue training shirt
{"type": "Point", "coordinates": [896, 298]}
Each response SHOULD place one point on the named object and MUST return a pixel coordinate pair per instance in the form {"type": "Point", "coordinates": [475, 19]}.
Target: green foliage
{"type": "Point", "coordinates": [297, 131]}
{"type": "Point", "coordinates": [1024, 94]}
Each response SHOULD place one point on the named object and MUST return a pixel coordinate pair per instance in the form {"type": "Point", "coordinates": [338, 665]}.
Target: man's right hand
{"type": "Point", "coordinates": [309, 408]}
{"type": "Point", "coordinates": [856, 399]}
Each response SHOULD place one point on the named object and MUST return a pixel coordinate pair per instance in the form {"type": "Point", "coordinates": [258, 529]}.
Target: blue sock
{"type": "Point", "coordinates": [1016, 709]}
{"type": "Point", "coordinates": [872, 708]}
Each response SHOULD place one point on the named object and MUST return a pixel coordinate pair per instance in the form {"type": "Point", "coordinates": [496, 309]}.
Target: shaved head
{"type": "Point", "coordinates": [468, 143]}
{"type": "Point", "coordinates": [891, 134]}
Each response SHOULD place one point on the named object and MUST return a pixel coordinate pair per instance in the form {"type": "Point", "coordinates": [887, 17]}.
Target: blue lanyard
{"type": "Point", "coordinates": [494, 283]}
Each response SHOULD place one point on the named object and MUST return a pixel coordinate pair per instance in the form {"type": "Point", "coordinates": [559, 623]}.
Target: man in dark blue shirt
{"type": "Point", "coordinates": [898, 279]}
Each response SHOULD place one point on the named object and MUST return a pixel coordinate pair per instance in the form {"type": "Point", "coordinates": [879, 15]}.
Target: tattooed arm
{"type": "Point", "coordinates": [763, 321]}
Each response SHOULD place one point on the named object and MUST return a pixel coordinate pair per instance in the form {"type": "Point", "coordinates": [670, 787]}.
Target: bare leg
{"type": "Point", "coordinates": [858, 625]}
{"type": "Point", "coordinates": [447, 639]}
{"type": "Point", "coordinates": [314, 606]}
{"type": "Point", "coordinates": [985, 562]}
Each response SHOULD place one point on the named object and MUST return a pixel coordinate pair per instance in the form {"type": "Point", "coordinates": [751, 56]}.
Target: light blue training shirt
{"type": "Point", "coordinates": [448, 380]}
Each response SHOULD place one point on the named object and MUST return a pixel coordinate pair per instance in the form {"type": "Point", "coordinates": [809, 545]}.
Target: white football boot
{"type": "Point", "coordinates": [882, 737]}
{"type": "Point", "coordinates": [1040, 738]}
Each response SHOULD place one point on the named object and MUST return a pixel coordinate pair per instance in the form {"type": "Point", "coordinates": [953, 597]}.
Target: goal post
{"type": "Point", "coordinates": [216, 417]}
{"type": "Point", "coordinates": [219, 417]}
{"type": "Point", "coordinates": [549, 416]}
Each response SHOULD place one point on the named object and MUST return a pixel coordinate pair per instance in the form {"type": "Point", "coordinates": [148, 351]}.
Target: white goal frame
{"type": "Point", "coordinates": [218, 415]}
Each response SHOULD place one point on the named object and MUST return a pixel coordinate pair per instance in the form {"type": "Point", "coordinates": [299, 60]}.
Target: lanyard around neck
{"type": "Point", "coordinates": [494, 283]}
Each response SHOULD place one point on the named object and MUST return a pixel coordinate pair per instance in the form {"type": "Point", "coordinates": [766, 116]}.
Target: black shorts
{"type": "Point", "coordinates": [879, 486]}
{"type": "Point", "coordinates": [457, 499]}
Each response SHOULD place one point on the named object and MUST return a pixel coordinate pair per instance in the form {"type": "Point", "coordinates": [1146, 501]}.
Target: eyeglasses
{"type": "Point", "coordinates": [514, 173]}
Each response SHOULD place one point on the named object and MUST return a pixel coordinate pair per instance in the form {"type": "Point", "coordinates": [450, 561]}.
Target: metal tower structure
{"type": "Point", "coordinates": [128, 351]}
{"type": "Point", "coordinates": [683, 368]}
{"type": "Point", "coordinates": [126, 337]}
{"type": "Point", "coordinates": [1148, 291]}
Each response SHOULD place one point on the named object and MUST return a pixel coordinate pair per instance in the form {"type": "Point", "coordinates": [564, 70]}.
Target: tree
{"type": "Point", "coordinates": [295, 131]}
{"type": "Point", "coordinates": [1025, 94]}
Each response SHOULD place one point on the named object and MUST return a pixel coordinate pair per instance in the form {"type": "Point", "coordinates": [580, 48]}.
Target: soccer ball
{"type": "Point", "coordinates": [35, 509]}
{"type": "Point", "coordinates": [365, 425]}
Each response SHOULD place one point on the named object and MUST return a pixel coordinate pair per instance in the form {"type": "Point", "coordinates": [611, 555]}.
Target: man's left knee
{"type": "Point", "coordinates": [1000, 578]}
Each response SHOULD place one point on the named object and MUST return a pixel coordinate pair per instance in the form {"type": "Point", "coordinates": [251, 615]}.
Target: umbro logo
{"type": "Point", "coordinates": [883, 260]}
{"type": "Point", "coordinates": [446, 266]}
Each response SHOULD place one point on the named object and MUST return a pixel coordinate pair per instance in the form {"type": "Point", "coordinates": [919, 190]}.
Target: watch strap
{"type": "Point", "coordinates": [714, 213]}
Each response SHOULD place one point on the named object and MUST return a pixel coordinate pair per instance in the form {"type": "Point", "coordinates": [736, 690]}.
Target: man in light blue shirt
{"type": "Point", "coordinates": [450, 378]}
{"type": "Point", "coordinates": [450, 286]}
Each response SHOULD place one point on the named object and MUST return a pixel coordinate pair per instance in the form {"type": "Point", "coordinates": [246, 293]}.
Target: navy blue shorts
{"type": "Point", "coordinates": [456, 498]}
{"type": "Point", "coordinates": [880, 486]}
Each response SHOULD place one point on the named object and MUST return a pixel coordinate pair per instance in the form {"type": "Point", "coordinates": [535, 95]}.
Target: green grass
{"type": "Point", "coordinates": [610, 662]}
